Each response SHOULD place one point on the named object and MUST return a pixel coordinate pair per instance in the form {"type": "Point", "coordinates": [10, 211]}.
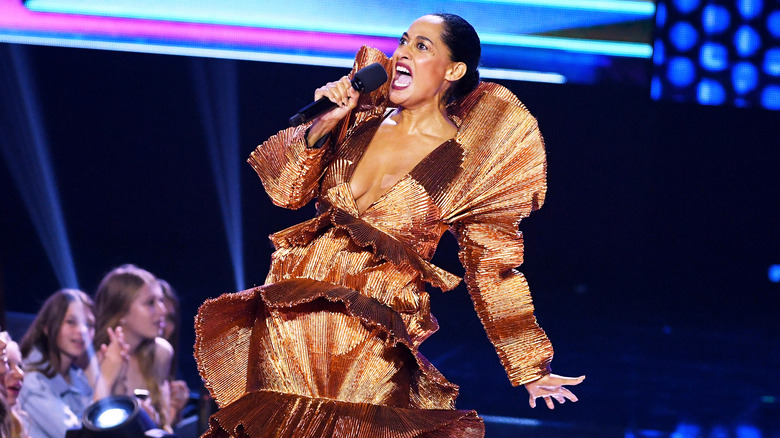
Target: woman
{"type": "Point", "coordinates": [130, 298]}
{"type": "Point", "coordinates": [55, 350]}
{"type": "Point", "coordinates": [180, 392]}
{"type": "Point", "coordinates": [329, 346]}
{"type": "Point", "coordinates": [12, 384]}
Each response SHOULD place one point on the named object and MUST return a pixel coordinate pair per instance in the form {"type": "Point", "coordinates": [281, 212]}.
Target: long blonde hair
{"type": "Point", "coordinates": [113, 298]}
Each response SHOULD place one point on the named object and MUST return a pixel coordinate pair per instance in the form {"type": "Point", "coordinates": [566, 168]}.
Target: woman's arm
{"type": "Point", "coordinates": [502, 299]}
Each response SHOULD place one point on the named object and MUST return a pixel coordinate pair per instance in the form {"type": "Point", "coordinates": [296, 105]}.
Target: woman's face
{"type": "Point", "coordinates": [170, 318]}
{"type": "Point", "coordinates": [146, 317]}
{"type": "Point", "coordinates": [421, 64]}
{"type": "Point", "coordinates": [15, 376]}
{"type": "Point", "coordinates": [76, 331]}
{"type": "Point", "coordinates": [4, 340]}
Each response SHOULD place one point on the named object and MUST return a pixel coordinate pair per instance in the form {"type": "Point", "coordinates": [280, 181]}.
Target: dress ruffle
{"type": "Point", "coordinates": [299, 417]}
{"type": "Point", "coordinates": [344, 344]}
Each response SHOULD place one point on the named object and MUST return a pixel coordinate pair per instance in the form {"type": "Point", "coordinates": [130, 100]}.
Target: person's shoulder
{"type": "Point", "coordinates": [163, 354]}
{"type": "Point", "coordinates": [163, 348]}
{"type": "Point", "coordinates": [492, 101]}
{"type": "Point", "coordinates": [36, 381]}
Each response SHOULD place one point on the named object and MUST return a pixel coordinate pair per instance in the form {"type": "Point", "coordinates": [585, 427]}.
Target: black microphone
{"type": "Point", "coordinates": [366, 80]}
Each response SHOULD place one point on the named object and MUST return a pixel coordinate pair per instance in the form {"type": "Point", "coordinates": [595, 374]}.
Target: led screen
{"type": "Point", "coordinates": [540, 40]}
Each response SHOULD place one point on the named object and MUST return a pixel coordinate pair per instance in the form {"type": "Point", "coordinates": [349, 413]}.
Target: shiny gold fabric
{"type": "Point", "coordinates": [328, 347]}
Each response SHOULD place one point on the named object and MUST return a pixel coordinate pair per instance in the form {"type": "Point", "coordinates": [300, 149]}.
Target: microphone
{"type": "Point", "coordinates": [366, 80]}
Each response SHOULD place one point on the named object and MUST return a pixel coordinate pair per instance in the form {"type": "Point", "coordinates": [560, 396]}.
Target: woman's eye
{"type": "Point", "coordinates": [421, 46]}
{"type": "Point", "coordinates": [402, 41]}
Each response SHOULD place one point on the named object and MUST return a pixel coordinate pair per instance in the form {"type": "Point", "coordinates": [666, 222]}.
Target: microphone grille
{"type": "Point", "coordinates": [369, 78]}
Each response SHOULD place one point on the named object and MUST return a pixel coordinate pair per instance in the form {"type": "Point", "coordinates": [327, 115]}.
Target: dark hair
{"type": "Point", "coordinates": [169, 293]}
{"type": "Point", "coordinates": [42, 333]}
{"type": "Point", "coordinates": [463, 42]}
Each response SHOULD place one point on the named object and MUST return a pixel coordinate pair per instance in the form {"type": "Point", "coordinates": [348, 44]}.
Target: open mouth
{"type": "Point", "coordinates": [403, 77]}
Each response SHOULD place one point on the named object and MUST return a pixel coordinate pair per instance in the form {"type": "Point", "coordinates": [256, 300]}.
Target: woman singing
{"type": "Point", "coordinates": [329, 345]}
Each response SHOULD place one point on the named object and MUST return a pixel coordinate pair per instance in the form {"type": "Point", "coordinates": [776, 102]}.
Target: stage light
{"type": "Point", "coordinates": [770, 97]}
{"type": "Point", "coordinates": [715, 19]}
{"type": "Point", "coordinates": [681, 72]}
{"type": "Point", "coordinates": [684, 36]}
{"type": "Point", "coordinates": [747, 41]}
{"type": "Point", "coordinates": [714, 56]}
{"type": "Point", "coordinates": [659, 52]}
{"type": "Point", "coordinates": [686, 6]}
{"type": "Point", "coordinates": [710, 92]}
{"type": "Point", "coordinates": [744, 77]}
{"type": "Point", "coordinates": [774, 270]}
{"type": "Point", "coordinates": [660, 15]}
{"type": "Point", "coordinates": [117, 417]}
{"type": "Point", "coordinates": [773, 24]}
{"type": "Point", "coordinates": [772, 62]}
{"type": "Point", "coordinates": [749, 9]}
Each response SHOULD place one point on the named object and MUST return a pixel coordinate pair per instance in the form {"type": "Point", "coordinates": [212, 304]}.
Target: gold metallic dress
{"type": "Point", "coordinates": [328, 347]}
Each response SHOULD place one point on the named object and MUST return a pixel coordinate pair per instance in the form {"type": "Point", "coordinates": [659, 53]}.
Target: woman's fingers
{"type": "Point", "coordinates": [551, 387]}
{"type": "Point", "coordinates": [555, 379]}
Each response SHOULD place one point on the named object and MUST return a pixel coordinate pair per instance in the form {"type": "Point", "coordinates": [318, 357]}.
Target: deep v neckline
{"type": "Point", "coordinates": [359, 158]}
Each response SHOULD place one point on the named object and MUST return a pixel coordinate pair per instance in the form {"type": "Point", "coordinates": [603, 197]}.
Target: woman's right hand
{"type": "Point", "coordinates": [113, 357]}
{"type": "Point", "coordinates": [342, 94]}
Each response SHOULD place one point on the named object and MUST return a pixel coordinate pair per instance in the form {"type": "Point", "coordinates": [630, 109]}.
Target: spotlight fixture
{"type": "Point", "coordinates": [117, 417]}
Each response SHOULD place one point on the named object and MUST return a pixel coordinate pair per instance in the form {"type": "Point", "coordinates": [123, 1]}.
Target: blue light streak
{"type": "Point", "coordinates": [26, 152]}
{"type": "Point", "coordinates": [640, 8]}
{"type": "Point", "coordinates": [217, 93]}
{"type": "Point", "coordinates": [610, 48]}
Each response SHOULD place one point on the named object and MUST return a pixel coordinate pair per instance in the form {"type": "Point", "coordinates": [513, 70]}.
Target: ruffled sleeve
{"type": "Point", "coordinates": [289, 170]}
{"type": "Point", "coordinates": [503, 180]}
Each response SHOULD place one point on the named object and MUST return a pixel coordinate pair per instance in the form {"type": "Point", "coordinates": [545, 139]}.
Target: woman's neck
{"type": "Point", "coordinates": [134, 342]}
{"type": "Point", "coordinates": [66, 361]}
{"type": "Point", "coordinates": [428, 119]}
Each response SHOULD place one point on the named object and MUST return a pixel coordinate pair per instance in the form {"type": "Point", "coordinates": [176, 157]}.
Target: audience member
{"type": "Point", "coordinates": [5, 410]}
{"type": "Point", "coordinates": [130, 298]}
{"type": "Point", "coordinates": [12, 382]}
{"type": "Point", "coordinates": [56, 352]}
{"type": "Point", "coordinates": [180, 392]}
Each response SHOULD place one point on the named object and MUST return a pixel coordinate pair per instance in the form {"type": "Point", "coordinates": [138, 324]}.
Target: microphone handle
{"type": "Point", "coordinates": [312, 110]}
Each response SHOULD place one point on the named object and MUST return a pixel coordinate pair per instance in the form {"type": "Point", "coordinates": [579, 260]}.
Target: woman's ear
{"type": "Point", "coordinates": [456, 71]}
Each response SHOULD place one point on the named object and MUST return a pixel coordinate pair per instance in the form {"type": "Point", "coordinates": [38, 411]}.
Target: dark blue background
{"type": "Point", "coordinates": [648, 262]}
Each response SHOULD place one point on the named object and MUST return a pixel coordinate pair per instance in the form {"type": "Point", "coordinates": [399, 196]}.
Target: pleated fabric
{"type": "Point", "coordinates": [323, 361]}
{"type": "Point", "coordinates": [329, 345]}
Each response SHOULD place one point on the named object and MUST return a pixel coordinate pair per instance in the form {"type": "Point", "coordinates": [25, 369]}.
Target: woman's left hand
{"type": "Point", "coordinates": [551, 387]}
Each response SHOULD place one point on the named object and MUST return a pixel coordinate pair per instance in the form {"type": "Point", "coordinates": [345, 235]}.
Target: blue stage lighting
{"type": "Point", "coordinates": [684, 36]}
{"type": "Point", "coordinates": [686, 6]}
{"type": "Point", "coordinates": [715, 19]}
{"type": "Point", "coordinates": [773, 24]}
{"type": "Point", "coordinates": [659, 52]}
{"type": "Point", "coordinates": [746, 41]}
{"type": "Point", "coordinates": [656, 88]}
{"type": "Point", "coordinates": [749, 9]}
{"type": "Point", "coordinates": [744, 77]}
{"type": "Point", "coordinates": [747, 431]}
{"type": "Point", "coordinates": [714, 56]}
{"type": "Point", "coordinates": [772, 61]}
{"type": "Point", "coordinates": [774, 273]}
{"type": "Point", "coordinates": [660, 15]}
{"type": "Point", "coordinates": [682, 72]}
{"type": "Point", "coordinates": [118, 416]}
{"type": "Point", "coordinates": [710, 92]}
{"type": "Point", "coordinates": [770, 99]}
